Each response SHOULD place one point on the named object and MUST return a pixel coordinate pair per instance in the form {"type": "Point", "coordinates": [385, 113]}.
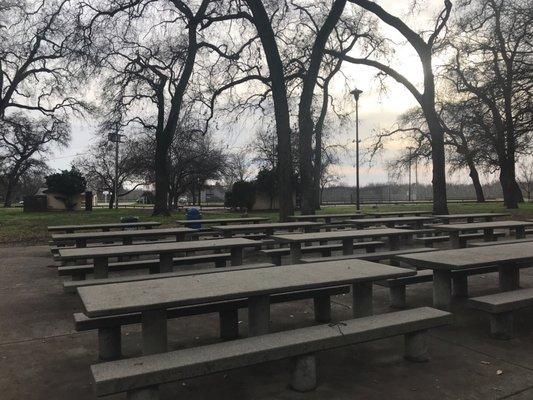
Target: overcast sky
{"type": "Point", "coordinates": [377, 110]}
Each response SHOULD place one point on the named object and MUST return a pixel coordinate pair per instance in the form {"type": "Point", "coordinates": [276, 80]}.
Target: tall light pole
{"type": "Point", "coordinates": [356, 92]}
{"type": "Point", "coordinates": [115, 137]}
{"type": "Point", "coordinates": [410, 152]}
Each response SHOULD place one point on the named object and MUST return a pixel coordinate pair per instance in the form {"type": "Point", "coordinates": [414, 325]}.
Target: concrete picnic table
{"type": "Point", "coordinates": [153, 297]}
{"type": "Point", "coordinates": [506, 256]}
{"type": "Point", "coordinates": [346, 236]}
{"type": "Point", "coordinates": [326, 217]}
{"type": "Point", "coordinates": [166, 251]}
{"type": "Point", "coordinates": [222, 221]}
{"type": "Point", "coordinates": [454, 230]}
{"type": "Point", "coordinates": [379, 214]}
{"type": "Point", "coordinates": [471, 217]}
{"type": "Point", "coordinates": [390, 222]}
{"type": "Point", "coordinates": [266, 228]}
{"type": "Point", "coordinates": [80, 239]}
{"type": "Point", "coordinates": [104, 226]}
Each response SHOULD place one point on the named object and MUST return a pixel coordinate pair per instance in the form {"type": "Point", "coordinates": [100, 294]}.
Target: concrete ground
{"type": "Point", "coordinates": [42, 357]}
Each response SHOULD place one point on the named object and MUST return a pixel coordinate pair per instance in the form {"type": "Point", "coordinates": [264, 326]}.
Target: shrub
{"type": "Point", "coordinates": [242, 195]}
{"type": "Point", "coordinates": [68, 184]}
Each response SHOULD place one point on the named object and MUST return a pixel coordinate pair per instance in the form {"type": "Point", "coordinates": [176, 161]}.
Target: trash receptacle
{"type": "Point", "coordinates": [193, 214]}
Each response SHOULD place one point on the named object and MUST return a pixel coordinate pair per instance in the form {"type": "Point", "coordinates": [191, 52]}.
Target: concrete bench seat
{"type": "Point", "coordinates": [324, 249]}
{"type": "Point", "coordinates": [78, 272]}
{"type": "Point", "coordinates": [429, 240]}
{"type": "Point", "coordinates": [141, 376]}
{"type": "Point", "coordinates": [511, 241]}
{"type": "Point", "coordinates": [109, 328]}
{"type": "Point", "coordinates": [500, 306]}
{"type": "Point", "coordinates": [378, 256]}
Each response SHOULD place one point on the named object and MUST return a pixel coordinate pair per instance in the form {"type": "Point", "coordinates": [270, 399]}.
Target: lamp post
{"type": "Point", "coordinates": [115, 137]}
{"type": "Point", "coordinates": [410, 155]}
{"type": "Point", "coordinates": [356, 93]}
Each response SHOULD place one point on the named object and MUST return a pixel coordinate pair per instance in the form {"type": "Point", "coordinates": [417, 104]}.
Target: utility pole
{"type": "Point", "coordinates": [356, 93]}
{"type": "Point", "coordinates": [410, 152]}
{"type": "Point", "coordinates": [115, 137]}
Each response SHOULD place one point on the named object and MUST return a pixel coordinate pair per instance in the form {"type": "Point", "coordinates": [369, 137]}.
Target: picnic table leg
{"type": "Point", "coordinates": [460, 285]}
{"type": "Point", "coordinates": [236, 256]}
{"type": "Point", "coordinates": [109, 343]}
{"type": "Point", "coordinates": [229, 323]}
{"type": "Point", "coordinates": [258, 315]}
{"type": "Point", "coordinates": [100, 267]}
{"type": "Point", "coordinates": [347, 246]}
{"type": "Point", "coordinates": [394, 242]}
{"type": "Point", "coordinates": [165, 262]}
{"type": "Point", "coordinates": [455, 240]}
{"type": "Point", "coordinates": [296, 252]}
{"type": "Point", "coordinates": [509, 275]}
{"type": "Point", "coordinates": [81, 243]}
{"type": "Point", "coordinates": [362, 299]}
{"type": "Point", "coordinates": [154, 331]}
{"type": "Point", "coordinates": [488, 235]}
{"type": "Point", "coordinates": [322, 306]}
{"type": "Point", "coordinates": [520, 232]}
{"type": "Point", "coordinates": [327, 220]}
{"type": "Point", "coordinates": [469, 220]}
{"type": "Point", "coordinates": [442, 289]}
{"type": "Point", "coordinates": [180, 237]}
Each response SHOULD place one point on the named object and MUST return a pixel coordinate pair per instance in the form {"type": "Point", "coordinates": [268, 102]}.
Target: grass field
{"type": "Point", "coordinates": [19, 228]}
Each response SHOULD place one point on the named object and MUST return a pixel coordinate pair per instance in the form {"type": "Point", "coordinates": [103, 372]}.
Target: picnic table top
{"type": "Point", "coordinates": [410, 218]}
{"type": "Point", "coordinates": [399, 213]}
{"type": "Point", "coordinates": [164, 293]}
{"type": "Point", "coordinates": [324, 216]}
{"type": "Point", "coordinates": [270, 225]}
{"type": "Point", "coordinates": [472, 215]}
{"type": "Point", "coordinates": [121, 234]}
{"type": "Point", "coordinates": [221, 220]}
{"type": "Point", "coordinates": [104, 226]}
{"type": "Point", "coordinates": [155, 248]}
{"type": "Point", "coordinates": [470, 257]}
{"type": "Point", "coordinates": [482, 225]}
{"type": "Point", "coordinates": [341, 234]}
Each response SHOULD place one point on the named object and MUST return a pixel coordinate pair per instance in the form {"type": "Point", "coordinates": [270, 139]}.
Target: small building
{"type": "Point", "coordinates": [53, 202]}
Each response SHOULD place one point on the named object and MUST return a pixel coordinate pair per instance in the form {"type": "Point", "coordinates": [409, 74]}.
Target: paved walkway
{"type": "Point", "coordinates": [42, 357]}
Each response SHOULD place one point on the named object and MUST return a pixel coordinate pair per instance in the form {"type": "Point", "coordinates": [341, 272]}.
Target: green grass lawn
{"type": "Point", "coordinates": [18, 228]}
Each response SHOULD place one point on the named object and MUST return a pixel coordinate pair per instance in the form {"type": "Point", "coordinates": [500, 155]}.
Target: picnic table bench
{"type": "Point", "coordinates": [104, 226]}
{"type": "Point", "coordinates": [454, 230]}
{"type": "Point", "coordinates": [140, 377]}
{"type": "Point", "coordinates": [506, 257]}
{"type": "Point", "coordinates": [391, 222]}
{"type": "Point", "coordinates": [80, 239]}
{"type": "Point", "coordinates": [469, 217]}
{"type": "Point", "coordinates": [347, 238]}
{"type": "Point", "coordinates": [166, 252]}
{"type": "Point", "coordinates": [379, 214]}
{"type": "Point", "coordinates": [222, 221]}
{"type": "Point", "coordinates": [327, 218]}
{"type": "Point", "coordinates": [266, 228]}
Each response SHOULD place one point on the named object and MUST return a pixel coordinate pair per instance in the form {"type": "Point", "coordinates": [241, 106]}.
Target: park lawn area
{"type": "Point", "coordinates": [19, 228]}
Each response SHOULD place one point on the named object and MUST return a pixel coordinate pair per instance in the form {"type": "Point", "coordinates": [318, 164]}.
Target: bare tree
{"type": "Point", "coordinates": [525, 178]}
{"type": "Point", "coordinates": [24, 142]}
{"type": "Point", "coordinates": [98, 167]}
{"type": "Point", "coordinates": [37, 61]}
{"type": "Point", "coordinates": [426, 98]}
{"type": "Point", "coordinates": [492, 68]}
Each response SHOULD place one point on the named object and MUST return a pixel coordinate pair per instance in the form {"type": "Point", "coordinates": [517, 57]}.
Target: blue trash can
{"type": "Point", "coordinates": [194, 214]}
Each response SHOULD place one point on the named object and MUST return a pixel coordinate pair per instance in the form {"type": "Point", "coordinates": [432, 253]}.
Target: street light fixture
{"type": "Point", "coordinates": [356, 92]}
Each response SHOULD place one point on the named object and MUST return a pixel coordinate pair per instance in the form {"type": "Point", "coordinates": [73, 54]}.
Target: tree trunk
{"type": "Point", "coordinates": [161, 176]}
{"type": "Point", "coordinates": [281, 107]}
{"type": "Point", "coordinates": [9, 193]}
{"type": "Point", "coordinates": [111, 200]}
{"type": "Point", "coordinates": [474, 175]}
{"type": "Point", "coordinates": [305, 117]}
{"type": "Point", "coordinates": [512, 195]}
